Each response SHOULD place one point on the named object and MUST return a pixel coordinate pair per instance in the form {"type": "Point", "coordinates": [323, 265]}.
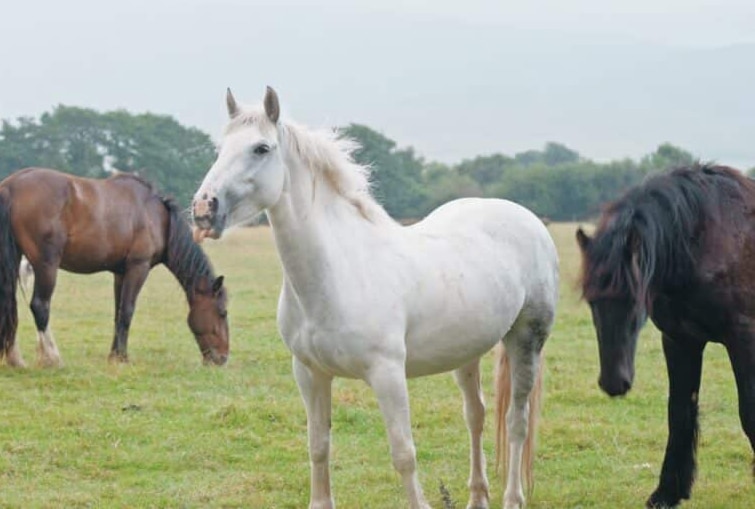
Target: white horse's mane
{"type": "Point", "coordinates": [328, 154]}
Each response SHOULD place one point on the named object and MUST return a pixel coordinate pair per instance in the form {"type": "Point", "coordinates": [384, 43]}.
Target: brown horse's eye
{"type": "Point", "coordinates": [223, 314]}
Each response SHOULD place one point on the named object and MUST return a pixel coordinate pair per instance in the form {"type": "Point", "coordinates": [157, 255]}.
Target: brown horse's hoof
{"type": "Point", "coordinates": [14, 360]}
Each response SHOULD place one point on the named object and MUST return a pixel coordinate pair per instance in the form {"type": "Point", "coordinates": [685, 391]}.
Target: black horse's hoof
{"type": "Point", "coordinates": [118, 358]}
{"type": "Point", "coordinates": [660, 500]}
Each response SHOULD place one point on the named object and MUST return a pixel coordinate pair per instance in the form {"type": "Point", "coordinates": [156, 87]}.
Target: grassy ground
{"type": "Point", "coordinates": [166, 432]}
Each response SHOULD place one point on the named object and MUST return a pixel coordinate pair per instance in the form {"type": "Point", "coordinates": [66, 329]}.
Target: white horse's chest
{"type": "Point", "coordinates": [331, 345]}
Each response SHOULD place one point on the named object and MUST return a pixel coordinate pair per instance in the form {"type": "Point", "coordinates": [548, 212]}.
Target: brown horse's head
{"type": "Point", "coordinates": [208, 319]}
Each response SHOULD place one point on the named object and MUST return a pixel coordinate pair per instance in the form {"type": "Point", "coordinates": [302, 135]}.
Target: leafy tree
{"type": "Point", "coordinates": [555, 154]}
{"type": "Point", "coordinates": [665, 157]}
{"type": "Point", "coordinates": [161, 149]}
{"type": "Point", "coordinates": [444, 184]}
{"type": "Point", "coordinates": [486, 170]}
{"type": "Point", "coordinates": [397, 173]}
{"type": "Point", "coordinates": [528, 158]}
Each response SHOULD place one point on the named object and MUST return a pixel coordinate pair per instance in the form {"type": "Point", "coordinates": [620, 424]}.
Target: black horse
{"type": "Point", "coordinates": [680, 248]}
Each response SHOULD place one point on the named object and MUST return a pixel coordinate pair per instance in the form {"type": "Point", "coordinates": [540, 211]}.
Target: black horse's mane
{"type": "Point", "coordinates": [649, 236]}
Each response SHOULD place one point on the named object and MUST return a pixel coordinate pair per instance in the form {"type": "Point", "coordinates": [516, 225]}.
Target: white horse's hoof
{"type": "Point", "coordinates": [513, 502]}
{"type": "Point", "coordinates": [322, 505]}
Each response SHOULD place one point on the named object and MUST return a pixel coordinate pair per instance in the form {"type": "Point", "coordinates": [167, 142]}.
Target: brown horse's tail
{"type": "Point", "coordinates": [10, 256]}
{"type": "Point", "coordinates": [503, 401]}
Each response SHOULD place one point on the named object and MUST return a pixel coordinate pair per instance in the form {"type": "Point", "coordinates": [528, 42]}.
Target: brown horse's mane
{"type": "Point", "coordinates": [650, 236]}
{"type": "Point", "coordinates": [183, 257]}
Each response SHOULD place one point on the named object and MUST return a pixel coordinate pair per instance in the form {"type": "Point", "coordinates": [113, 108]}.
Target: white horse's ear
{"type": "Point", "coordinates": [230, 102]}
{"type": "Point", "coordinates": [272, 106]}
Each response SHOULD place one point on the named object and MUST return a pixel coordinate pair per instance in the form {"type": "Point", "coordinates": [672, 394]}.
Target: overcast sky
{"type": "Point", "coordinates": [452, 78]}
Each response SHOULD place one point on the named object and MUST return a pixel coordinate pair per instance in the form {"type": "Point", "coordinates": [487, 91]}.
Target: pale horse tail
{"type": "Point", "coordinates": [503, 401]}
{"type": "Point", "coordinates": [26, 277]}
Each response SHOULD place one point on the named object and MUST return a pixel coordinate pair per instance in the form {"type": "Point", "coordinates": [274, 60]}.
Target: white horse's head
{"type": "Point", "coordinates": [249, 173]}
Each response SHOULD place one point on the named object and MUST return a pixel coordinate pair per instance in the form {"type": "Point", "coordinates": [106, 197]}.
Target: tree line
{"type": "Point", "coordinates": [555, 181]}
{"type": "Point", "coordinates": [87, 143]}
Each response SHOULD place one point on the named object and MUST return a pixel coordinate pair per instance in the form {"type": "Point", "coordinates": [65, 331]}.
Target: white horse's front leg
{"type": "Point", "coordinates": [388, 380]}
{"type": "Point", "coordinates": [468, 379]}
{"type": "Point", "coordinates": [315, 388]}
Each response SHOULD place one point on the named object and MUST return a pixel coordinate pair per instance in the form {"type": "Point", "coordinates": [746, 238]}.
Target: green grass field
{"type": "Point", "coordinates": [164, 431]}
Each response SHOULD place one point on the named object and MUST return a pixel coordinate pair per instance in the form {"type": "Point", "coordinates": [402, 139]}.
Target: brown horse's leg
{"type": "Point", "coordinates": [130, 284]}
{"type": "Point", "coordinates": [742, 357]}
{"type": "Point", "coordinates": [45, 276]}
{"type": "Point", "coordinates": [117, 289]}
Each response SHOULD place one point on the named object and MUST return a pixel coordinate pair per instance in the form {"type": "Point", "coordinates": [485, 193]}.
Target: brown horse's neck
{"type": "Point", "coordinates": [190, 272]}
{"type": "Point", "coordinates": [183, 257]}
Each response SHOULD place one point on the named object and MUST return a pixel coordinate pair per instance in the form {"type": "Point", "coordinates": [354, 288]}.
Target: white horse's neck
{"type": "Point", "coordinates": [317, 227]}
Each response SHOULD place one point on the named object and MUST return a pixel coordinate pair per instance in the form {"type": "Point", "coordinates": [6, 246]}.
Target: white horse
{"type": "Point", "coordinates": [364, 297]}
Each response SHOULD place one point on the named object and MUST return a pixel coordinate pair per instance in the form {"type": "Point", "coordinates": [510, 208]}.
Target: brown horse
{"type": "Point", "coordinates": [81, 225]}
{"type": "Point", "coordinates": [680, 248]}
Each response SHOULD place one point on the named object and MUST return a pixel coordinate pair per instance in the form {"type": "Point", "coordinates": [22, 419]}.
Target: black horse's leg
{"type": "Point", "coordinates": [45, 276]}
{"type": "Point", "coordinates": [130, 284]}
{"type": "Point", "coordinates": [742, 357]}
{"type": "Point", "coordinates": [684, 359]}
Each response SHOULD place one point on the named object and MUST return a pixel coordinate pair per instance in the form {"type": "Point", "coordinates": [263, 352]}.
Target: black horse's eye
{"type": "Point", "coordinates": [261, 149]}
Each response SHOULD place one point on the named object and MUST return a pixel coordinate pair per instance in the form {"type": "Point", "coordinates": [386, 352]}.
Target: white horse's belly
{"type": "Point", "coordinates": [458, 330]}
{"type": "Point", "coordinates": [428, 356]}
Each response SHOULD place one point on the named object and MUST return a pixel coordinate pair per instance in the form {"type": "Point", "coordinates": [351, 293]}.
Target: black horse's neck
{"type": "Point", "coordinates": [649, 239]}
{"type": "Point", "coordinates": [183, 257]}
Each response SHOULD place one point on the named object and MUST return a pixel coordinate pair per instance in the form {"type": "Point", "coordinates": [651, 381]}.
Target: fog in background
{"type": "Point", "coordinates": [454, 79]}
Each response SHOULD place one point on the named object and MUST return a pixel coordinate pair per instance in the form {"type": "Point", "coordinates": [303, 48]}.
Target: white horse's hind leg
{"type": "Point", "coordinates": [315, 390]}
{"type": "Point", "coordinates": [523, 345]}
{"type": "Point", "coordinates": [468, 379]}
{"type": "Point", "coordinates": [389, 383]}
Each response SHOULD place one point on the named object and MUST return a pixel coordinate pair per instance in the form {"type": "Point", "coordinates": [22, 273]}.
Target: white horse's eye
{"type": "Point", "coordinates": [261, 149]}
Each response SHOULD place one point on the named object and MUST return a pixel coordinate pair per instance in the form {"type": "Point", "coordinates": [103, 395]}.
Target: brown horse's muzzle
{"type": "Point", "coordinates": [212, 357]}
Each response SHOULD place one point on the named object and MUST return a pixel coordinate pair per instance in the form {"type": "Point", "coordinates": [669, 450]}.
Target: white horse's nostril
{"type": "Point", "coordinates": [204, 208]}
